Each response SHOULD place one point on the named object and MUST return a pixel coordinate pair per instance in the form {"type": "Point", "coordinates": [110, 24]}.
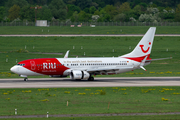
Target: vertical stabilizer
{"type": "Point", "coordinates": [144, 47]}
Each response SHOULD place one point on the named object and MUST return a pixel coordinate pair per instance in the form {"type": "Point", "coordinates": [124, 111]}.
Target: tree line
{"type": "Point", "coordinates": [90, 10]}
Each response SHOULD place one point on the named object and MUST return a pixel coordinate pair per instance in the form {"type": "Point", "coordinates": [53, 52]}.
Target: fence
{"type": "Point", "coordinates": [93, 23]}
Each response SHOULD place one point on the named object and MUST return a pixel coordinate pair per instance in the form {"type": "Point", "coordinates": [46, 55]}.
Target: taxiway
{"type": "Point", "coordinates": [98, 82]}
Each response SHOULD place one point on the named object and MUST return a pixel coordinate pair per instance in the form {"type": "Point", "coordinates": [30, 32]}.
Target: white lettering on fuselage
{"type": "Point", "coordinates": [49, 65]}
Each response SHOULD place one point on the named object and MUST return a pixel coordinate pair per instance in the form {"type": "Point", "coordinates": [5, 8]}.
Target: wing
{"type": "Point", "coordinates": [102, 70]}
{"type": "Point", "coordinates": [95, 71]}
{"type": "Point", "coordinates": [112, 70]}
{"type": "Point", "coordinates": [98, 71]}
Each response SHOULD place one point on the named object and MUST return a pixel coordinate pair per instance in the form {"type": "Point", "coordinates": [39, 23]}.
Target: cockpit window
{"type": "Point", "coordinates": [21, 64]}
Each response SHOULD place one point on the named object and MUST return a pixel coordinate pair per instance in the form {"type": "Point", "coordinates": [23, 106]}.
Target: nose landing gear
{"type": "Point", "coordinates": [25, 77]}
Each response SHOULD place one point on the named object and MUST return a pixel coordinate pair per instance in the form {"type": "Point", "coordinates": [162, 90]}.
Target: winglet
{"type": "Point", "coordinates": [143, 68]}
{"type": "Point", "coordinates": [142, 63]}
{"type": "Point", "coordinates": [66, 55]}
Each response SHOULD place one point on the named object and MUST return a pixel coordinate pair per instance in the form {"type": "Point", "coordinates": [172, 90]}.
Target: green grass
{"type": "Point", "coordinates": [152, 117]}
{"type": "Point", "coordinates": [89, 100]}
{"type": "Point", "coordinates": [13, 48]}
{"type": "Point", "coordinates": [87, 30]}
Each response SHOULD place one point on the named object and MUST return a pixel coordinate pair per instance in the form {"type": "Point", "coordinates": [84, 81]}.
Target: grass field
{"type": "Point", "coordinates": [89, 100]}
{"type": "Point", "coordinates": [13, 48]}
{"type": "Point", "coordinates": [87, 30]}
{"type": "Point", "coordinates": [152, 117]}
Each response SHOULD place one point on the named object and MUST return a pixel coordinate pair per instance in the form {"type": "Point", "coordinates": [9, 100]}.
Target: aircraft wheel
{"type": "Point", "coordinates": [25, 79]}
{"type": "Point", "coordinates": [91, 79]}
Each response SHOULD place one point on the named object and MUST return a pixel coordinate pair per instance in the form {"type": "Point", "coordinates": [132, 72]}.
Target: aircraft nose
{"type": "Point", "coordinates": [14, 69]}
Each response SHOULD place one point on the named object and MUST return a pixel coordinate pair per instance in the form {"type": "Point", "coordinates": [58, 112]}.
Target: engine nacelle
{"type": "Point", "coordinates": [86, 75]}
{"type": "Point", "coordinates": [76, 74]}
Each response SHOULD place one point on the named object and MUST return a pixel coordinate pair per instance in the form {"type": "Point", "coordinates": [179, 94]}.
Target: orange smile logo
{"type": "Point", "coordinates": [144, 51]}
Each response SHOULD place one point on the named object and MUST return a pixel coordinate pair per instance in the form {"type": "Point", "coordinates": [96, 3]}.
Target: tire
{"type": "Point", "coordinates": [25, 79]}
{"type": "Point", "coordinates": [91, 79]}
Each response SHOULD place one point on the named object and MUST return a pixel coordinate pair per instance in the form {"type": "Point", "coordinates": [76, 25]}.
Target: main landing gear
{"type": "Point", "coordinates": [91, 78]}
{"type": "Point", "coordinates": [26, 79]}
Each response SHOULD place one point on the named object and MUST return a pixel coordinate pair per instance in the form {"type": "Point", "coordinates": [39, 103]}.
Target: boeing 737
{"type": "Point", "coordinates": [86, 68]}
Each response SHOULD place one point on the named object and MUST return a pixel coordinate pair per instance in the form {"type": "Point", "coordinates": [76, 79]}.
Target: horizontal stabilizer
{"type": "Point", "coordinates": [158, 59]}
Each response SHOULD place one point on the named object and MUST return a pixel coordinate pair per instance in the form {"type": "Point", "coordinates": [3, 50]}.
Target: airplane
{"type": "Point", "coordinates": [85, 68]}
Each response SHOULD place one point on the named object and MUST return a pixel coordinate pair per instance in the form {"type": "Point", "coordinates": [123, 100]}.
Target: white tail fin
{"type": "Point", "coordinates": [144, 47]}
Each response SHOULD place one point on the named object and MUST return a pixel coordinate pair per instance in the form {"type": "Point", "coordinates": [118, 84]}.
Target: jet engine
{"type": "Point", "coordinates": [76, 74]}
